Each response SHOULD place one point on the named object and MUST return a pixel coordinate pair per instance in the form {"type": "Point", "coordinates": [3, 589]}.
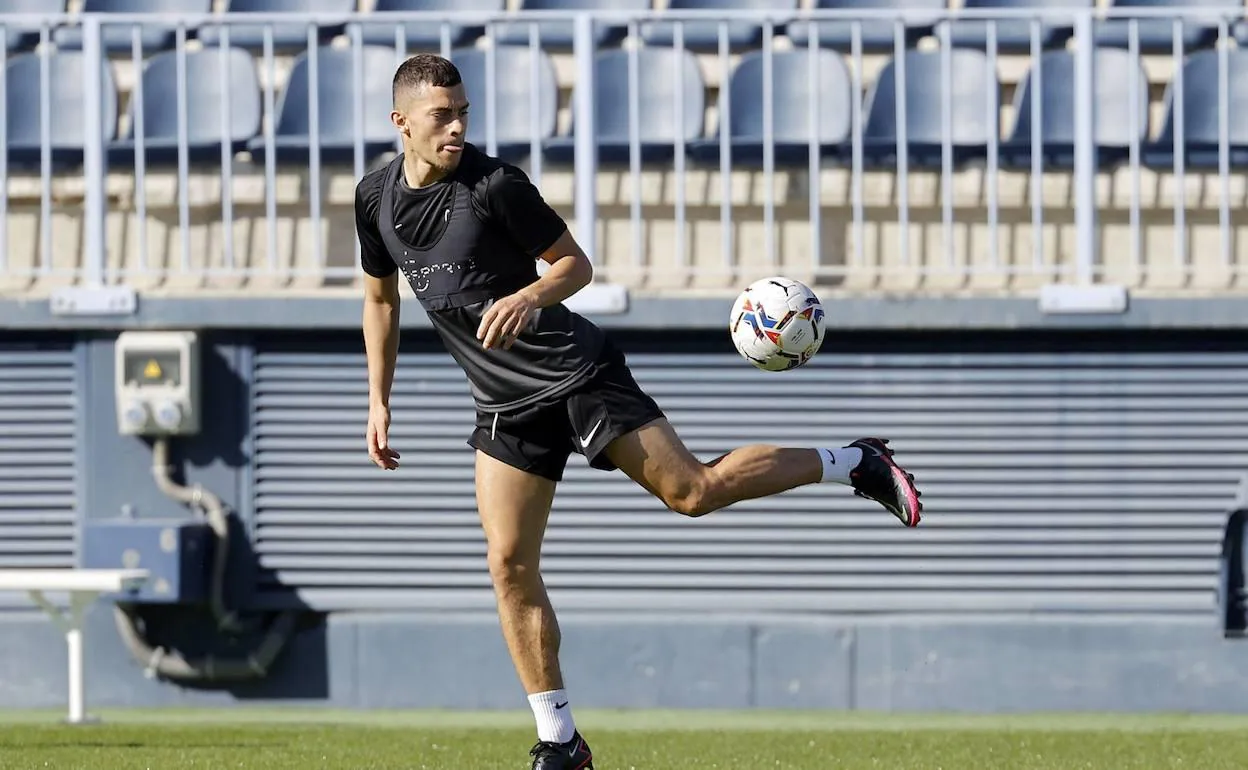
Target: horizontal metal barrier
{"type": "Point", "coordinates": [832, 139]}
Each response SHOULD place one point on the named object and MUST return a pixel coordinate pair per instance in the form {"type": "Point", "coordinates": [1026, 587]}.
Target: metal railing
{"type": "Point", "coordinates": [857, 155]}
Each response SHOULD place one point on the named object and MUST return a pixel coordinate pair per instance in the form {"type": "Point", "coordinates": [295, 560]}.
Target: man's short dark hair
{"type": "Point", "coordinates": [424, 69]}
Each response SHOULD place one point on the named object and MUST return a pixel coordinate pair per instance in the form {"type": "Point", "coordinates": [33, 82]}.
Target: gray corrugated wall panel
{"type": "Point", "coordinates": [1054, 482]}
{"type": "Point", "coordinates": [38, 464]}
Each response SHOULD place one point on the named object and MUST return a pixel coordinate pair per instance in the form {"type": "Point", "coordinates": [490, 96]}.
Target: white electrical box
{"type": "Point", "coordinates": [157, 383]}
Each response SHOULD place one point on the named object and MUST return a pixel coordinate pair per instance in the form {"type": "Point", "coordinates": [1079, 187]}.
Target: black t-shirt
{"type": "Point", "coordinates": [462, 243]}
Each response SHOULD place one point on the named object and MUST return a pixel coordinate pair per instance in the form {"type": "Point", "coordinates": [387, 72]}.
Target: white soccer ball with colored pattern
{"type": "Point", "coordinates": [777, 324]}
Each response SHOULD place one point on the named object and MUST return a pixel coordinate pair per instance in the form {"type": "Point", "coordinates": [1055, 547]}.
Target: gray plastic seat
{"type": "Point", "coordinates": [557, 34]}
{"type": "Point", "coordinates": [658, 82]}
{"type": "Point", "coordinates": [68, 86]}
{"type": "Point", "coordinates": [877, 34]}
{"type": "Point", "coordinates": [204, 89]}
{"type": "Point", "coordinates": [1057, 110]}
{"type": "Point", "coordinates": [116, 37]}
{"type": "Point", "coordinates": [1156, 34]}
{"type": "Point", "coordinates": [972, 98]}
{"type": "Point", "coordinates": [792, 102]}
{"type": "Point", "coordinates": [336, 92]}
{"type": "Point", "coordinates": [1201, 107]}
{"type": "Point", "coordinates": [22, 37]}
{"type": "Point", "coordinates": [1013, 34]}
{"type": "Point", "coordinates": [703, 36]}
{"type": "Point", "coordinates": [286, 35]}
{"type": "Point", "coordinates": [426, 35]}
{"type": "Point", "coordinates": [513, 94]}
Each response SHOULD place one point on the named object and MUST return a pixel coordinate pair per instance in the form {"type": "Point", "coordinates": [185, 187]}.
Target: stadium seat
{"type": "Point", "coordinates": [877, 34]}
{"type": "Point", "coordinates": [1013, 34]}
{"type": "Point", "coordinates": [426, 35]}
{"type": "Point", "coordinates": [513, 95]}
{"type": "Point", "coordinates": [287, 36]}
{"type": "Point", "coordinates": [67, 124]}
{"type": "Point", "coordinates": [23, 37]}
{"type": "Point", "coordinates": [336, 91]}
{"type": "Point", "coordinates": [204, 89]}
{"type": "Point", "coordinates": [117, 37]}
{"type": "Point", "coordinates": [1156, 35]}
{"type": "Point", "coordinates": [703, 36]}
{"type": "Point", "coordinates": [558, 34]}
{"type": "Point", "coordinates": [661, 71]}
{"type": "Point", "coordinates": [1114, 69]}
{"type": "Point", "coordinates": [1201, 105]}
{"type": "Point", "coordinates": [792, 101]}
{"type": "Point", "coordinates": [971, 96]}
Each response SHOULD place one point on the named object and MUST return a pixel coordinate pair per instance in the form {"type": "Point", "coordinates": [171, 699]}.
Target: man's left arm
{"type": "Point", "coordinates": [517, 206]}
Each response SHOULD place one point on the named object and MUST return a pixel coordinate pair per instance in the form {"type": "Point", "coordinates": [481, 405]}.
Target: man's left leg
{"type": "Point", "coordinates": [655, 457]}
{"type": "Point", "coordinates": [618, 425]}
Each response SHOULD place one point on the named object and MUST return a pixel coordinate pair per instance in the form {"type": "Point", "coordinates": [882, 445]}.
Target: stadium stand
{"type": "Point", "coordinates": [1202, 107]}
{"type": "Point", "coordinates": [875, 35]}
{"type": "Point", "coordinates": [1014, 36]}
{"type": "Point", "coordinates": [422, 34]}
{"type": "Point", "coordinates": [514, 94]}
{"type": "Point", "coordinates": [927, 102]}
{"type": "Point", "coordinates": [1120, 82]}
{"type": "Point", "coordinates": [671, 78]}
{"type": "Point", "coordinates": [23, 36]}
{"type": "Point", "coordinates": [284, 37]}
{"type": "Point", "coordinates": [758, 217]}
{"type": "Point", "coordinates": [799, 101]}
{"type": "Point", "coordinates": [336, 107]}
{"type": "Point", "coordinates": [63, 101]}
{"type": "Point", "coordinates": [1157, 35]}
{"type": "Point", "coordinates": [703, 36]}
{"type": "Point", "coordinates": [205, 90]}
{"type": "Point", "coordinates": [118, 37]}
{"type": "Point", "coordinates": [556, 35]}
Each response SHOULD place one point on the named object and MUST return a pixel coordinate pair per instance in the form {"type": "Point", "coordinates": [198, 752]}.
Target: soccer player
{"type": "Point", "coordinates": [465, 230]}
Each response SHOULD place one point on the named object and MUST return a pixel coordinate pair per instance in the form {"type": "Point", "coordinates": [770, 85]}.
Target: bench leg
{"type": "Point", "coordinates": [77, 685]}
{"type": "Point", "coordinates": [71, 624]}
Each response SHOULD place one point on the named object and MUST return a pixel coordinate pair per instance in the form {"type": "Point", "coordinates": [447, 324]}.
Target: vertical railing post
{"type": "Point", "coordinates": [93, 159]}
{"type": "Point", "coordinates": [1085, 149]}
{"type": "Point", "coordinates": [586, 149]}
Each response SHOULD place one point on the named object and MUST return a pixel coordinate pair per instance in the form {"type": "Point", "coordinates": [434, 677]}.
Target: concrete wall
{"type": "Point", "coordinates": [447, 661]}
{"type": "Point", "coordinates": [458, 660]}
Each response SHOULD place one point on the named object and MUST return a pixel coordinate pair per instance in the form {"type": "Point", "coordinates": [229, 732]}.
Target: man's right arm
{"type": "Point", "coordinates": [381, 296]}
{"type": "Point", "coordinates": [381, 335]}
{"type": "Point", "coordinates": [380, 325]}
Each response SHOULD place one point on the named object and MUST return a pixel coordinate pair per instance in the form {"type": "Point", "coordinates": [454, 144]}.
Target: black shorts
{"type": "Point", "coordinates": [540, 438]}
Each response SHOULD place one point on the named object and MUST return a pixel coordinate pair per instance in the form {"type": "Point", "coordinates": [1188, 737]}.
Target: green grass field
{"type": "Point", "coordinates": [300, 739]}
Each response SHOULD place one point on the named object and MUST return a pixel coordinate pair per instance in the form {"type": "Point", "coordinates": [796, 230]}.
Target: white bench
{"type": "Point", "coordinates": [84, 586]}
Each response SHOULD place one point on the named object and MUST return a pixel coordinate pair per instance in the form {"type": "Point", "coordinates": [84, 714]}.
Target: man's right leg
{"type": "Point", "coordinates": [514, 506]}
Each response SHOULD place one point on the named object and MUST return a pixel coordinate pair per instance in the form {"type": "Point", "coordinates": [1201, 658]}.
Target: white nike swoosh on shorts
{"type": "Point", "coordinates": [588, 437]}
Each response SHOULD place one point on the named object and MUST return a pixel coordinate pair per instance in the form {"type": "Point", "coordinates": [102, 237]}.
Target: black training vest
{"type": "Point", "coordinates": [458, 276]}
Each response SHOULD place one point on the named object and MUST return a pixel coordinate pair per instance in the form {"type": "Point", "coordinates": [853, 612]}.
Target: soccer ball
{"type": "Point", "coordinates": [777, 323]}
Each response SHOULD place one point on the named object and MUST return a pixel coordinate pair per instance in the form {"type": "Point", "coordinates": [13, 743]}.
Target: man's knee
{"type": "Point", "coordinates": [691, 494]}
{"type": "Point", "coordinates": [512, 568]}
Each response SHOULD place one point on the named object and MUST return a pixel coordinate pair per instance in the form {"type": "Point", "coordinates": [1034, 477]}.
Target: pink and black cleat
{"type": "Point", "coordinates": [573, 755]}
{"type": "Point", "coordinates": [877, 477]}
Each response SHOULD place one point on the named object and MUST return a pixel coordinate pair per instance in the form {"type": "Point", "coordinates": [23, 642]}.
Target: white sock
{"type": "Point", "coordinates": [837, 463]}
{"type": "Point", "coordinates": [554, 716]}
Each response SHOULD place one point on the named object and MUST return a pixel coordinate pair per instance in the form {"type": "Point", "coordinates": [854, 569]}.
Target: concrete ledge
{"type": "Point", "coordinates": [649, 312]}
{"type": "Point", "coordinates": [460, 662]}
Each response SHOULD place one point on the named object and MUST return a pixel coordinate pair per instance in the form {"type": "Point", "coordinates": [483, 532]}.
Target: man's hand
{"type": "Point", "coordinates": [378, 438]}
{"type": "Point", "coordinates": [502, 323]}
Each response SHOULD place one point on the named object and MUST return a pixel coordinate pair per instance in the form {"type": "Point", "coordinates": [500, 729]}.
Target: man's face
{"type": "Point", "coordinates": [434, 122]}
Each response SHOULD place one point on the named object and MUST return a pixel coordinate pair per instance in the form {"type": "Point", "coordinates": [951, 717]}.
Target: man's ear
{"type": "Point", "coordinates": [399, 121]}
